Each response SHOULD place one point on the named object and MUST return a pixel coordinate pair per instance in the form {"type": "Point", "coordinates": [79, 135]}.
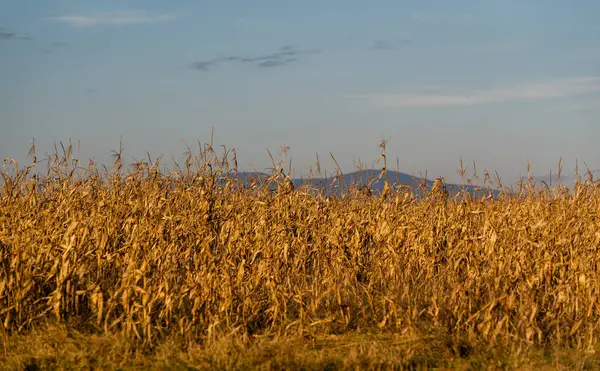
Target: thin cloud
{"type": "Point", "coordinates": [285, 55]}
{"type": "Point", "coordinates": [115, 18]}
{"type": "Point", "coordinates": [7, 34]}
{"type": "Point", "coordinates": [206, 65]}
{"type": "Point", "coordinates": [275, 62]}
{"type": "Point", "coordinates": [201, 65]}
{"type": "Point", "coordinates": [520, 93]}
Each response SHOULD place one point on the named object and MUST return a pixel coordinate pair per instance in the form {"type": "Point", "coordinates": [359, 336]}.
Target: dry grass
{"type": "Point", "coordinates": [181, 270]}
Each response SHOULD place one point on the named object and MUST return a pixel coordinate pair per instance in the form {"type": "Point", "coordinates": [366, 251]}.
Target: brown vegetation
{"type": "Point", "coordinates": [187, 260]}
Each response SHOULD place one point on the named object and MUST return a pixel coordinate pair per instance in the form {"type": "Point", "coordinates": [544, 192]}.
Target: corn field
{"type": "Point", "coordinates": [196, 254]}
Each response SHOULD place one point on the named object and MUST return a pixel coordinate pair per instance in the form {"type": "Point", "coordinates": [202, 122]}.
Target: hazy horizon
{"type": "Point", "coordinates": [498, 83]}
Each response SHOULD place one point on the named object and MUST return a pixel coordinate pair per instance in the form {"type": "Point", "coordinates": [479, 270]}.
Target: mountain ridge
{"type": "Point", "coordinates": [372, 178]}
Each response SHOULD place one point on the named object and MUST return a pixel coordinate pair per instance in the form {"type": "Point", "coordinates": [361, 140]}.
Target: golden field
{"type": "Point", "coordinates": [134, 268]}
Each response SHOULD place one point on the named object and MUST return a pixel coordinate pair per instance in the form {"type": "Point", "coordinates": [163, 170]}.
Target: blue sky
{"type": "Point", "coordinates": [496, 82]}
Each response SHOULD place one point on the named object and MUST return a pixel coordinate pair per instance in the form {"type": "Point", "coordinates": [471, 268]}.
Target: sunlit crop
{"type": "Point", "coordinates": [196, 254]}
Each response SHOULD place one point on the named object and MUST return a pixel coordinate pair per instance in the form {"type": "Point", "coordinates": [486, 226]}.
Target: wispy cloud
{"type": "Point", "coordinates": [7, 34]}
{"type": "Point", "coordinates": [275, 62]}
{"type": "Point", "coordinates": [525, 92]}
{"type": "Point", "coordinates": [114, 18]}
{"type": "Point", "coordinates": [285, 55]}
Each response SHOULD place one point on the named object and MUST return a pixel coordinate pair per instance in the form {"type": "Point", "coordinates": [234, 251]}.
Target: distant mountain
{"type": "Point", "coordinates": [565, 180]}
{"type": "Point", "coordinates": [370, 178]}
